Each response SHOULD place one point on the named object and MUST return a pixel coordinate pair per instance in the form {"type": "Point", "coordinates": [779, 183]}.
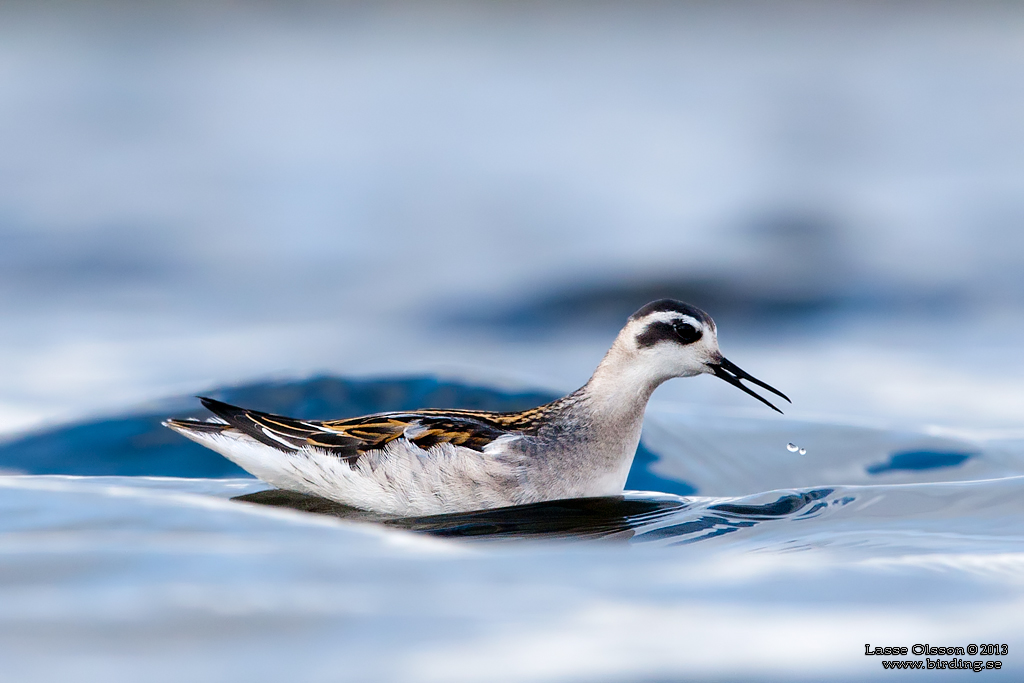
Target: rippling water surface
{"type": "Point", "coordinates": [780, 566]}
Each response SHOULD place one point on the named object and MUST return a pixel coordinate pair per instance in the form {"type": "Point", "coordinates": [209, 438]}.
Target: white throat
{"type": "Point", "coordinates": [620, 387]}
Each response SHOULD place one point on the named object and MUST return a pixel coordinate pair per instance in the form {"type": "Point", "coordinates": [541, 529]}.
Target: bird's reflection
{"type": "Point", "coordinates": [637, 517]}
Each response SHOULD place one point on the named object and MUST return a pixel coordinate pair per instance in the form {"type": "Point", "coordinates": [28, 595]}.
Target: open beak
{"type": "Point", "coordinates": [732, 374]}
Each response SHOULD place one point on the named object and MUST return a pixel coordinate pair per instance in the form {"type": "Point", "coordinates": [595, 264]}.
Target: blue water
{"type": "Point", "coordinates": [202, 574]}
{"type": "Point", "coordinates": [918, 460]}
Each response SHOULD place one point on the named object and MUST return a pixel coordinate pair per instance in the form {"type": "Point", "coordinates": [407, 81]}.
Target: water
{"type": "Point", "coordinates": [333, 209]}
{"type": "Point", "coordinates": [172, 577]}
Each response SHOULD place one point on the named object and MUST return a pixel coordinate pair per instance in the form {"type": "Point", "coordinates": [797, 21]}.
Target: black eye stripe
{"type": "Point", "coordinates": [678, 332]}
{"type": "Point", "coordinates": [687, 333]}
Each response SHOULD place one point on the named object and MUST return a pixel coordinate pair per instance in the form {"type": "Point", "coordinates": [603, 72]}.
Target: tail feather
{"type": "Point", "coordinates": [225, 411]}
{"type": "Point", "coordinates": [241, 419]}
{"type": "Point", "coordinates": [226, 418]}
{"type": "Point", "coordinates": [190, 425]}
{"type": "Point", "coordinates": [266, 461]}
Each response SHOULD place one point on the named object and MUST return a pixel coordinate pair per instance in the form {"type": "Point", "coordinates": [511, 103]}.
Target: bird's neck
{"type": "Point", "coordinates": [598, 426]}
{"type": "Point", "coordinates": [618, 392]}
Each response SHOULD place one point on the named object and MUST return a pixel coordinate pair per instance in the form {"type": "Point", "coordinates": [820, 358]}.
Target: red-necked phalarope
{"type": "Point", "coordinates": [426, 462]}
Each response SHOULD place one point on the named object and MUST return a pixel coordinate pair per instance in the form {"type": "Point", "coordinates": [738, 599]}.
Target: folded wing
{"type": "Point", "coordinates": [348, 439]}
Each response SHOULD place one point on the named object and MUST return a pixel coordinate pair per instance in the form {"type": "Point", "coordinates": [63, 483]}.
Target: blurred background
{"type": "Point", "coordinates": [199, 194]}
{"type": "Point", "coordinates": [352, 206]}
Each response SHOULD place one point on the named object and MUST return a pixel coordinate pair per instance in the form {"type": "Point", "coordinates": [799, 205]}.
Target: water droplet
{"type": "Point", "coordinates": [792, 447]}
{"type": "Point", "coordinates": [803, 451]}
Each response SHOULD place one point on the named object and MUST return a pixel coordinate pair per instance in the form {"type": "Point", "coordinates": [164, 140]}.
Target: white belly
{"type": "Point", "coordinates": [400, 479]}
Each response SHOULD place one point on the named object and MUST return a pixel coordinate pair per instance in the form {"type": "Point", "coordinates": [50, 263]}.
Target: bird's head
{"type": "Point", "coordinates": [669, 338]}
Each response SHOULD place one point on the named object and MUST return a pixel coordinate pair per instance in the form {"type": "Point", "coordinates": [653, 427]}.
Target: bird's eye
{"type": "Point", "coordinates": [687, 333]}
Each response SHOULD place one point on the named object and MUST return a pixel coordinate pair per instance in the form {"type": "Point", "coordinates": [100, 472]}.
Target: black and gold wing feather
{"type": "Point", "coordinates": [350, 438]}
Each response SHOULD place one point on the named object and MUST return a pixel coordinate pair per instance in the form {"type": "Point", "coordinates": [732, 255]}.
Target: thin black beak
{"type": "Point", "coordinates": [732, 374]}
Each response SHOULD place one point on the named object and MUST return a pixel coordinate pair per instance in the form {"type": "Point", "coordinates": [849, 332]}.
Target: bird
{"type": "Point", "coordinates": [428, 462]}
